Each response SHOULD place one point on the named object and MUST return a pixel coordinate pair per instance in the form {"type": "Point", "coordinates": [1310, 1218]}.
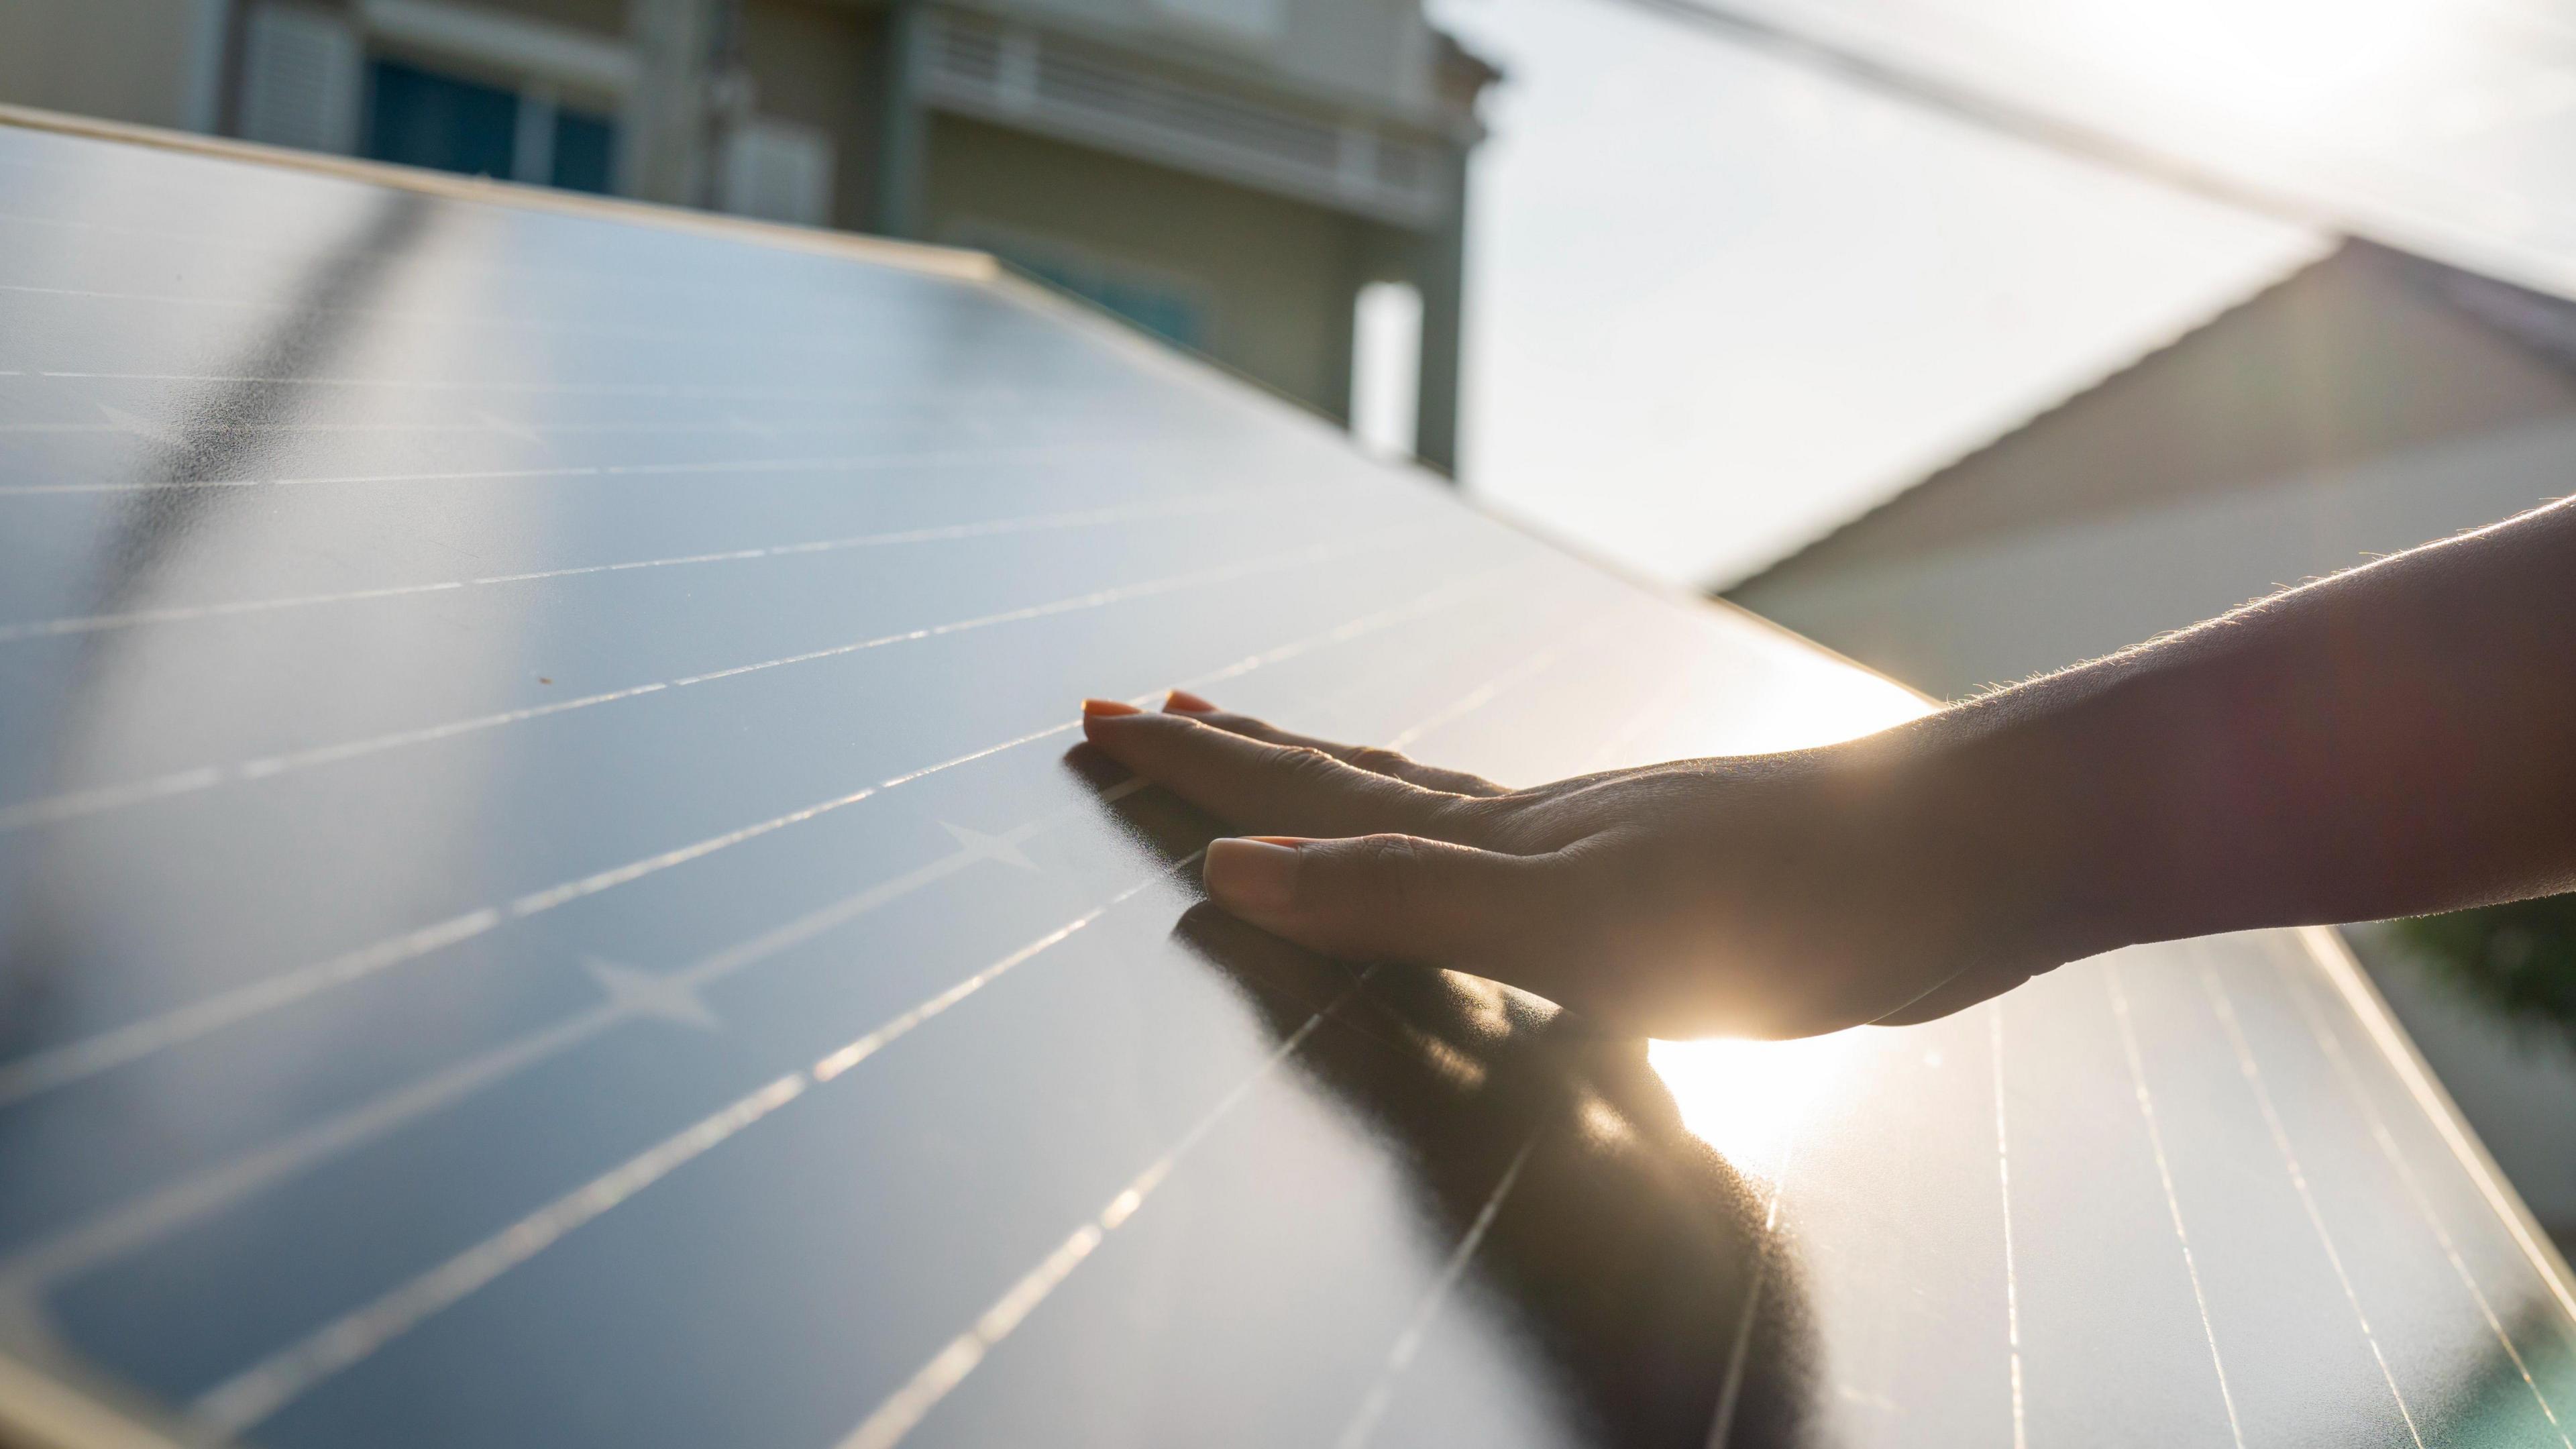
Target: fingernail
{"type": "Point", "coordinates": [1098, 707]}
{"type": "Point", "coordinates": [1253, 873]}
{"type": "Point", "coordinates": [1187, 703]}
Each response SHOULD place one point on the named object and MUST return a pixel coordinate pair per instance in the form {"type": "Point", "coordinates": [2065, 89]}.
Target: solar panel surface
{"type": "Point", "coordinates": [2434, 126]}
{"type": "Point", "coordinates": [550, 898]}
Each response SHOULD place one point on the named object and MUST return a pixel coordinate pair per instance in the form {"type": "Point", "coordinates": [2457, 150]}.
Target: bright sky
{"type": "Point", "coordinates": [1719, 303]}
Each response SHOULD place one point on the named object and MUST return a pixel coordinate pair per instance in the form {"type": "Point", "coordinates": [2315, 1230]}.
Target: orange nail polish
{"type": "Point", "coordinates": [1187, 703]}
{"type": "Point", "coordinates": [1253, 873]}
{"type": "Point", "coordinates": [1099, 707]}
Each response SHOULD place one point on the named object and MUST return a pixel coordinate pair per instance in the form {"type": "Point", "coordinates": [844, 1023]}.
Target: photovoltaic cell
{"type": "Point", "coordinates": [550, 897]}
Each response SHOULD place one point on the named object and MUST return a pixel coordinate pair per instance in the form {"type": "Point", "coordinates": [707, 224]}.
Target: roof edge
{"type": "Point", "coordinates": [954, 262]}
{"type": "Point", "coordinates": [2081, 389]}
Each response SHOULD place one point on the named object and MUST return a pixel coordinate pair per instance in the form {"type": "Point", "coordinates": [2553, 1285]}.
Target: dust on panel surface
{"type": "Point", "coordinates": [549, 896]}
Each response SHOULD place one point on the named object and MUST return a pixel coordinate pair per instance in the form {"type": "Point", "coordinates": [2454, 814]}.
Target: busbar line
{"type": "Point", "coordinates": [770, 344]}
{"type": "Point", "coordinates": [536, 431]}
{"type": "Point", "coordinates": [901, 1412]}
{"type": "Point", "coordinates": [2235, 1032]}
{"type": "Point", "coordinates": [720, 343]}
{"type": "Point", "coordinates": [1030, 523]}
{"type": "Point", "coordinates": [487, 423]}
{"type": "Point", "coordinates": [75, 804]}
{"type": "Point", "coordinates": [2164, 1174]}
{"type": "Point", "coordinates": [263, 250]}
{"type": "Point", "coordinates": [2003, 1175]}
{"type": "Point", "coordinates": [2335, 959]}
{"type": "Point", "coordinates": [1399, 1357]}
{"type": "Point", "coordinates": [2359, 1095]}
{"type": "Point", "coordinates": [259, 1391]}
{"type": "Point", "coordinates": [891, 403]}
{"type": "Point", "coordinates": [41, 1071]}
{"type": "Point", "coordinates": [960, 408]}
{"type": "Point", "coordinates": [829, 464]}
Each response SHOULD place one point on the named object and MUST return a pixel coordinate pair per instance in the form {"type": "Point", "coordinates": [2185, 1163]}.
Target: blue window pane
{"type": "Point", "coordinates": [423, 119]}
{"type": "Point", "coordinates": [584, 148]}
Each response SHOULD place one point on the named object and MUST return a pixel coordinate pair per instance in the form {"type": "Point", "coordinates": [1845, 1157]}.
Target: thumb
{"type": "Point", "coordinates": [1381, 897]}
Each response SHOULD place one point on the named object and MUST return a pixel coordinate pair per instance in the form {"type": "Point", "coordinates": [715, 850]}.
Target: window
{"type": "Point", "coordinates": [421, 118]}
{"type": "Point", "coordinates": [779, 171]}
{"type": "Point", "coordinates": [299, 79]}
{"type": "Point", "coordinates": [1386, 367]}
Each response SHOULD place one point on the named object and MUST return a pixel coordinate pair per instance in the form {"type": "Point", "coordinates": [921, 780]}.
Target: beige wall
{"type": "Point", "coordinates": [816, 64]}
{"type": "Point", "coordinates": [1375, 53]}
{"type": "Point", "coordinates": [147, 61]}
{"type": "Point", "coordinates": [1953, 619]}
{"type": "Point", "coordinates": [2356, 409]}
{"type": "Point", "coordinates": [1280, 276]}
{"type": "Point", "coordinates": [2358, 357]}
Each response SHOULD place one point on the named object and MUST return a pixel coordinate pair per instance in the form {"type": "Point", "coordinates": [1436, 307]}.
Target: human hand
{"type": "Point", "coordinates": [1762, 895]}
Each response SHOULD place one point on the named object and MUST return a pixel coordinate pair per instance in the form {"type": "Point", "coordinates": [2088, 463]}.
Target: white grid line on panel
{"type": "Point", "coordinates": [966, 400]}
{"type": "Point", "coordinates": [1363, 1422]}
{"type": "Point", "coordinates": [491, 424]}
{"type": "Point", "coordinates": [662, 289]}
{"type": "Point", "coordinates": [716, 348]}
{"type": "Point", "coordinates": [850, 463]}
{"type": "Point", "coordinates": [908, 1406]}
{"type": "Point", "coordinates": [1182, 505]}
{"type": "Point", "coordinates": [2336, 961]}
{"type": "Point", "coordinates": [2164, 1174]}
{"type": "Point", "coordinates": [2003, 1176]}
{"type": "Point", "coordinates": [2245, 1064]}
{"type": "Point", "coordinates": [1730, 1387]}
{"type": "Point", "coordinates": [76, 804]}
{"type": "Point", "coordinates": [2358, 1095]}
{"type": "Point", "coordinates": [768, 343]}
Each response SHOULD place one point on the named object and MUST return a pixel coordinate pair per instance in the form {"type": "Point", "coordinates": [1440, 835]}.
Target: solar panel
{"type": "Point", "coordinates": [2430, 127]}
{"type": "Point", "coordinates": [551, 897]}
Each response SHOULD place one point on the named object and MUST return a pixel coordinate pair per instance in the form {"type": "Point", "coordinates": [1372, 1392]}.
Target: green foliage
{"type": "Point", "coordinates": [2519, 959]}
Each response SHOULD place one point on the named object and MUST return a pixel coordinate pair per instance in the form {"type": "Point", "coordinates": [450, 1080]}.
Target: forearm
{"type": "Point", "coordinates": [2397, 739]}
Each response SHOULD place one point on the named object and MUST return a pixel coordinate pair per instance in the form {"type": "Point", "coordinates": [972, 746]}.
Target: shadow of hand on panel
{"type": "Point", "coordinates": [1634, 1254]}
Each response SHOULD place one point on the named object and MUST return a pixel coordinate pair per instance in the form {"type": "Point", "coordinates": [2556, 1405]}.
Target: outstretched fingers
{"type": "Point", "coordinates": [1271, 788]}
{"type": "Point", "coordinates": [1391, 898]}
{"type": "Point", "coordinates": [1371, 758]}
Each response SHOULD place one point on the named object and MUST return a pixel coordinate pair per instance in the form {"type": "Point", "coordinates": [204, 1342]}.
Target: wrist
{"type": "Point", "coordinates": [2028, 859]}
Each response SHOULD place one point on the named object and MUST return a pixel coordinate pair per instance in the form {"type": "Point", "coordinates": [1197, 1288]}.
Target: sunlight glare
{"type": "Point", "coordinates": [2278, 60]}
{"type": "Point", "coordinates": [1752, 1100]}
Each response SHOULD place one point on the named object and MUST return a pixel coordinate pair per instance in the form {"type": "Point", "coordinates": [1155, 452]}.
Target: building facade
{"type": "Point", "coordinates": [1228, 174]}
